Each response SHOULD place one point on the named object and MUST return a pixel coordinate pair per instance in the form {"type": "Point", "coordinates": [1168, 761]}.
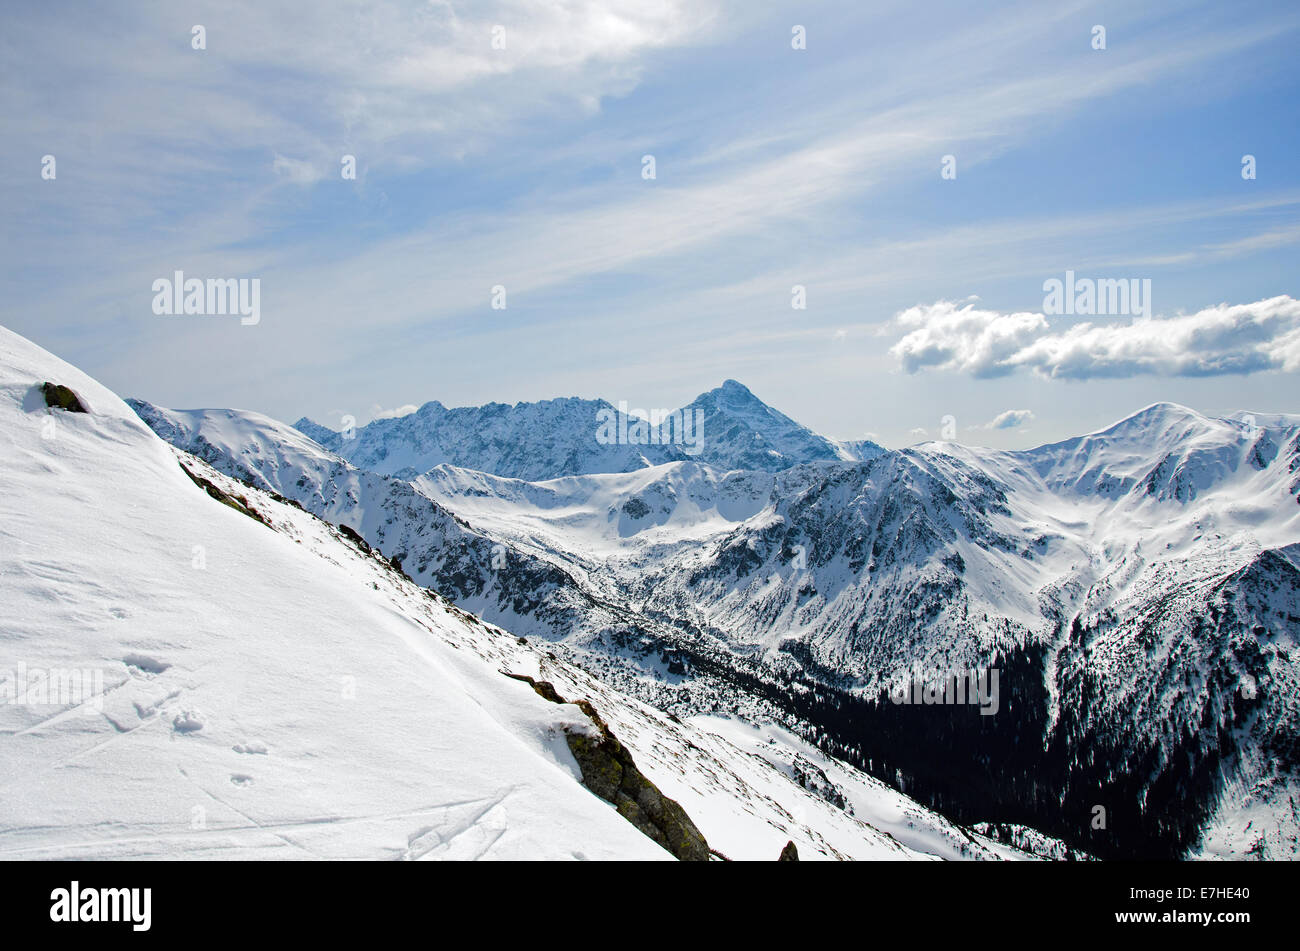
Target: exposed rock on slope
{"type": "Point", "coordinates": [609, 771]}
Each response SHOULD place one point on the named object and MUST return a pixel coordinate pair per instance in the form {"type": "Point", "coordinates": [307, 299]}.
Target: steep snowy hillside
{"type": "Point", "coordinates": [252, 682]}
{"type": "Point", "coordinates": [257, 699]}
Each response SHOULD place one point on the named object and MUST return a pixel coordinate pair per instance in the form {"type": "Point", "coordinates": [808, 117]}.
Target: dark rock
{"type": "Point", "coordinates": [609, 771]}
{"type": "Point", "coordinates": [58, 396]}
{"type": "Point", "coordinates": [636, 508]}
{"type": "Point", "coordinates": [351, 535]}
{"type": "Point", "coordinates": [545, 689]}
{"type": "Point", "coordinates": [236, 502]}
{"type": "Point", "coordinates": [789, 853]}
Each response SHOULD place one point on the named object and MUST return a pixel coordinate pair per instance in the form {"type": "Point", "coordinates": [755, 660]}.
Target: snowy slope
{"type": "Point", "coordinates": [603, 515]}
{"type": "Point", "coordinates": [270, 703]}
{"type": "Point", "coordinates": [254, 448]}
{"type": "Point", "coordinates": [271, 689]}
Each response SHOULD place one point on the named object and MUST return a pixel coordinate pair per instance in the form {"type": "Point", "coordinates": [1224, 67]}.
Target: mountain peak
{"type": "Point", "coordinates": [322, 435]}
{"type": "Point", "coordinates": [1154, 418]}
{"type": "Point", "coordinates": [732, 393]}
{"type": "Point", "coordinates": [1164, 409]}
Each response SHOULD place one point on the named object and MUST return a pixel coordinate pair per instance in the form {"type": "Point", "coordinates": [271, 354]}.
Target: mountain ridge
{"type": "Point", "coordinates": [736, 430]}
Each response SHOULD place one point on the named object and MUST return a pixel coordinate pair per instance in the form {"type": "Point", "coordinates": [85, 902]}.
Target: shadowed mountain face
{"type": "Point", "coordinates": [728, 428]}
{"type": "Point", "coordinates": [1136, 586]}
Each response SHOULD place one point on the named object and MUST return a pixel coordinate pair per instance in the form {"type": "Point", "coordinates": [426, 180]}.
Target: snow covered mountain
{"type": "Point", "coordinates": [1137, 588]}
{"type": "Point", "coordinates": [525, 441]}
{"type": "Point", "coordinates": [743, 432]}
{"type": "Point", "coordinates": [195, 666]}
{"type": "Point", "coordinates": [1141, 581]}
{"type": "Point", "coordinates": [728, 428]}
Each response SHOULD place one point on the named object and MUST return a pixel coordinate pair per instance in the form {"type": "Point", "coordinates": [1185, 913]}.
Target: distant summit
{"type": "Point", "coordinates": [565, 437]}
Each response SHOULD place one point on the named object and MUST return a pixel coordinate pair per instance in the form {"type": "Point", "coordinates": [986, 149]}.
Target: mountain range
{"type": "Point", "coordinates": [554, 438]}
{"type": "Point", "coordinates": [1134, 594]}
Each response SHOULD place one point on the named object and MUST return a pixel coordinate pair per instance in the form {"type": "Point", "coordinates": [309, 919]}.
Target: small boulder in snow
{"type": "Point", "coordinates": [58, 396]}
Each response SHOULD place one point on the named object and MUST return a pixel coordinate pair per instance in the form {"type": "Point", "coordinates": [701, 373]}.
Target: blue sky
{"type": "Point", "coordinates": [522, 167]}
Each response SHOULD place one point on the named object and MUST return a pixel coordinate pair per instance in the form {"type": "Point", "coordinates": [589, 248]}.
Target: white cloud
{"type": "Point", "coordinates": [950, 336]}
{"type": "Point", "coordinates": [1224, 339]}
{"type": "Point", "coordinates": [378, 412]}
{"type": "Point", "coordinates": [1010, 419]}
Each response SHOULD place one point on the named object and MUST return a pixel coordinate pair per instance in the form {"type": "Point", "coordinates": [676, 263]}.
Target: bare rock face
{"type": "Point", "coordinates": [237, 502]}
{"type": "Point", "coordinates": [609, 771]}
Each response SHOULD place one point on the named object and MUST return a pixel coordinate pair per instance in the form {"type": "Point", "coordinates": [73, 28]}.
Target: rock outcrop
{"type": "Point", "coordinates": [609, 771]}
